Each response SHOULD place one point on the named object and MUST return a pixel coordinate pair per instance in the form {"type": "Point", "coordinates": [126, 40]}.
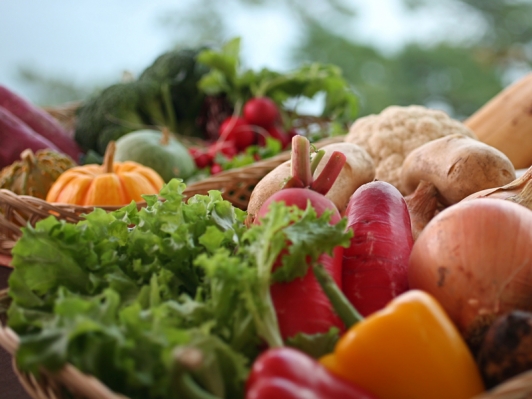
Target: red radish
{"type": "Point", "coordinates": [201, 157]}
{"type": "Point", "coordinates": [278, 133]}
{"type": "Point", "coordinates": [237, 130]}
{"type": "Point", "coordinates": [226, 148]}
{"type": "Point", "coordinates": [300, 304]}
{"type": "Point", "coordinates": [216, 168]}
{"type": "Point", "coordinates": [261, 111]}
{"type": "Point", "coordinates": [375, 265]}
{"type": "Point", "coordinates": [16, 136]}
{"type": "Point", "coordinates": [40, 122]}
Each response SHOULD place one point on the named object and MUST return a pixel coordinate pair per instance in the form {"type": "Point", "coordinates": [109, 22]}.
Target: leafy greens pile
{"type": "Point", "coordinates": [169, 301]}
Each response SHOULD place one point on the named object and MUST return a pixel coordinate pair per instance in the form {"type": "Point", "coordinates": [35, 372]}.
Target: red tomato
{"type": "Point", "coordinates": [216, 168]}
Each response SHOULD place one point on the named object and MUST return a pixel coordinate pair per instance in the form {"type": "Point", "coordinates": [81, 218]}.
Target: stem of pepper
{"type": "Point", "coordinates": [339, 301]}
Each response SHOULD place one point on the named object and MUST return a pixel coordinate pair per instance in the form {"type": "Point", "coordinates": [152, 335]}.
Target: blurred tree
{"type": "Point", "coordinates": [457, 75]}
{"type": "Point", "coordinates": [476, 47]}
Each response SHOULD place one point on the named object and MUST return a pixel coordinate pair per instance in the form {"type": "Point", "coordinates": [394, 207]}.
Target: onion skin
{"type": "Point", "coordinates": [475, 258]}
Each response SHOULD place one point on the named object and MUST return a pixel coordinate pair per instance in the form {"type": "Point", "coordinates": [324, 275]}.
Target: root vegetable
{"type": "Point", "coordinates": [458, 166]}
{"type": "Point", "coordinates": [505, 122]}
{"type": "Point", "coordinates": [518, 191]}
{"type": "Point", "coordinates": [507, 348]}
{"type": "Point", "coordinates": [16, 136]}
{"type": "Point", "coordinates": [422, 205]}
{"type": "Point", "coordinates": [300, 304]}
{"type": "Point", "coordinates": [475, 257]}
{"type": "Point", "coordinates": [358, 169]}
{"type": "Point", "coordinates": [40, 122]}
{"type": "Point", "coordinates": [374, 267]}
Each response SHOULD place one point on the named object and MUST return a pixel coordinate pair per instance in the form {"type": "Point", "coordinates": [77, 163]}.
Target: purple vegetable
{"type": "Point", "coordinates": [40, 121]}
{"type": "Point", "coordinates": [16, 136]}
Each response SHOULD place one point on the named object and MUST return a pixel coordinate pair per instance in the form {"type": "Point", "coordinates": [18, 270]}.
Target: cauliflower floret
{"type": "Point", "coordinates": [391, 135]}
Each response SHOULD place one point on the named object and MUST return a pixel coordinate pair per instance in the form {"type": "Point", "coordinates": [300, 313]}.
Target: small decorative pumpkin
{"type": "Point", "coordinates": [157, 150]}
{"type": "Point", "coordinates": [110, 184]}
{"type": "Point", "coordinates": [35, 173]}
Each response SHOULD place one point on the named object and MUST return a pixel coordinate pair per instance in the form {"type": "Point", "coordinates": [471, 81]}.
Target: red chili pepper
{"type": "Point", "coordinates": [287, 373]}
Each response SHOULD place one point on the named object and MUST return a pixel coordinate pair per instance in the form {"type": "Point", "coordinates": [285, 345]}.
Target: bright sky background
{"type": "Point", "coordinates": [96, 40]}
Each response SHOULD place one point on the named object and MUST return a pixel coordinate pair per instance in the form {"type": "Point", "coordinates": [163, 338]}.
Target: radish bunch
{"type": "Point", "coordinates": [260, 119]}
{"type": "Point", "coordinates": [301, 305]}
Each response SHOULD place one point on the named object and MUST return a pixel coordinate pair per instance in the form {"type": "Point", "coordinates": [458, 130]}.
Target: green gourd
{"type": "Point", "coordinates": [158, 150]}
{"type": "Point", "coordinates": [34, 174]}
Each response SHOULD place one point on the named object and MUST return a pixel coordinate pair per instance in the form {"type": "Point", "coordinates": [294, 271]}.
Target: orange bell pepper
{"type": "Point", "coordinates": [410, 349]}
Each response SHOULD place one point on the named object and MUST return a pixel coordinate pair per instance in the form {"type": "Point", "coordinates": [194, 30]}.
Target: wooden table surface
{"type": "Point", "coordinates": [10, 387]}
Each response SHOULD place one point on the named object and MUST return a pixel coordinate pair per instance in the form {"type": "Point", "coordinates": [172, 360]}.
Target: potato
{"type": "Point", "coordinates": [358, 169]}
{"type": "Point", "coordinates": [457, 166]}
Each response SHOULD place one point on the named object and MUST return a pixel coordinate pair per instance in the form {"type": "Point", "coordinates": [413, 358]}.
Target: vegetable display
{"type": "Point", "coordinates": [394, 263]}
{"type": "Point", "coordinates": [285, 373]}
{"type": "Point", "coordinates": [113, 183]}
{"type": "Point", "coordinates": [300, 304]}
{"type": "Point", "coordinates": [458, 166]}
{"type": "Point", "coordinates": [413, 346]}
{"type": "Point", "coordinates": [390, 136]}
{"type": "Point", "coordinates": [157, 150]}
{"type": "Point", "coordinates": [34, 174]}
{"type": "Point", "coordinates": [357, 170]}
{"type": "Point", "coordinates": [188, 278]}
{"type": "Point", "coordinates": [475, 259]}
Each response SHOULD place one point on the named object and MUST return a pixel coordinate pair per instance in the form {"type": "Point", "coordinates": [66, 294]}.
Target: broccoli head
{"type": "Point", "coordinates": [178, 74]}
{"type": "Point", "coordinates": [118, 110]}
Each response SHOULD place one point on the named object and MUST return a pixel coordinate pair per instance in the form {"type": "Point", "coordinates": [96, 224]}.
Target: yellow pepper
{"type": "Point", "coordinates": [410, 349]}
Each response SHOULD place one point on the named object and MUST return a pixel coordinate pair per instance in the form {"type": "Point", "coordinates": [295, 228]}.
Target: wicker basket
{"type": "Point", "coordinates": [236, 185]}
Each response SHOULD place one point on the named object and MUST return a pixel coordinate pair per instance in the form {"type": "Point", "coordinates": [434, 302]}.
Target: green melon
{"type": "Point", "coordinates": [158, 150]}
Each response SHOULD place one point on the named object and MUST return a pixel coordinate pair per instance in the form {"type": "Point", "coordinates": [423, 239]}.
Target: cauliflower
{"type": "Point", "coordinates": [391, 135]}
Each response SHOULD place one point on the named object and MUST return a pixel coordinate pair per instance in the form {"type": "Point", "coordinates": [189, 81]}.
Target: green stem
{"type": "Point", "coordinates": [169, 107]}
{"type": "Point", "coordinates": [341, 305]}
{"type": "Point", "coordinates": [318, 156]}
{"type": "Point", "coordinates": [185, 360]}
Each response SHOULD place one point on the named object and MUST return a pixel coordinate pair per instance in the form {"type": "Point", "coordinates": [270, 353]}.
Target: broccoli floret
{"type": "Point", "coordinates": [119, 109]}
{"type": "Point", "coordinates": [165, 94]}
{"type": "Point", "coordinates": [178, 73]}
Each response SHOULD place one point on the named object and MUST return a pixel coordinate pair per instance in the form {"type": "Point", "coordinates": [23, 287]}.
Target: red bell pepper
{"type": "Point", "coordinates": [287, 373]}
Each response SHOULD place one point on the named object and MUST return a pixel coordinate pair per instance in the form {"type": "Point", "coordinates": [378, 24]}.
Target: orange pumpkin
{"type": "Point", "coordinates": [113, 183]}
